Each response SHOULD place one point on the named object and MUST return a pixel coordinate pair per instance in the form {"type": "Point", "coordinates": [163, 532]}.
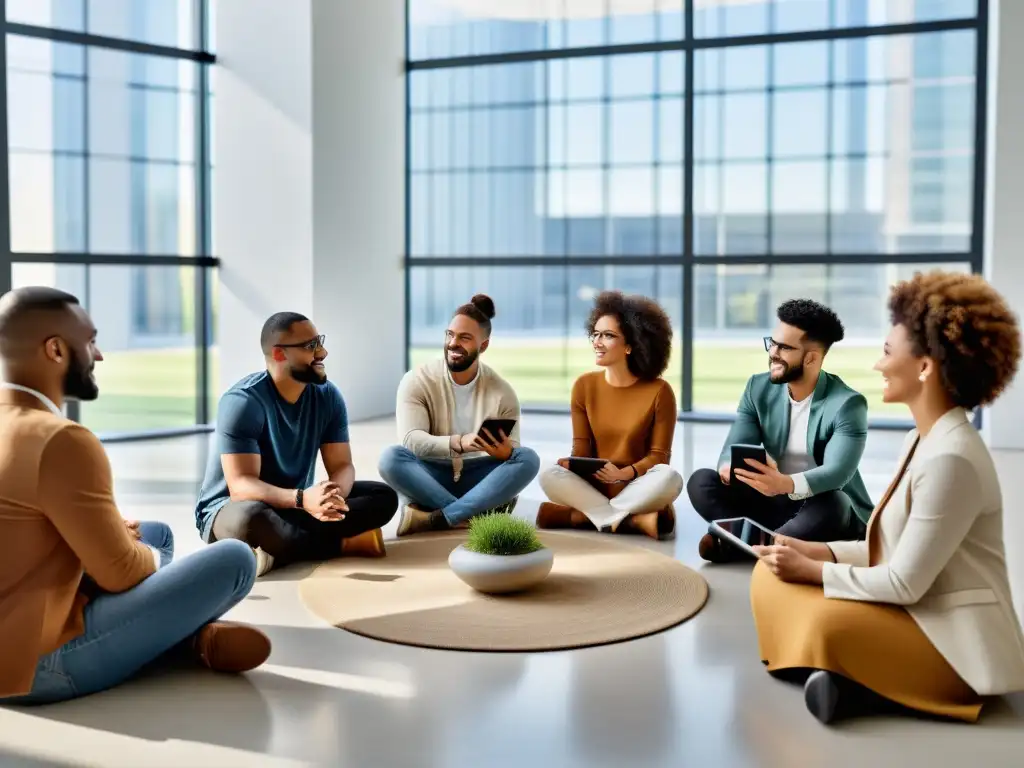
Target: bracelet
{"type": "Point", "coordinates": [635, 473]}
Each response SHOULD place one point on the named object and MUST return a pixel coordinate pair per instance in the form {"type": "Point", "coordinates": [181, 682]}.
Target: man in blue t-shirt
{"type": "Point", "coordinates": [259, 480]}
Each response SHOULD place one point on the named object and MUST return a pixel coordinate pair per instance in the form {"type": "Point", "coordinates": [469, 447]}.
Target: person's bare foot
{"type": "Point", "coordinates": [226, 646]}
{"type": "Point", "coordinates": [367, 544]}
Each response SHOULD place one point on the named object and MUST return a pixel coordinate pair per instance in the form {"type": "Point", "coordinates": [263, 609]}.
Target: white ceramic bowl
{"type": "Point", "coordinates": [495, 574]}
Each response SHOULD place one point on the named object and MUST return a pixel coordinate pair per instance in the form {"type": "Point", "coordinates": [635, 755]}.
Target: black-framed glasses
{"type": "Point", "coordinates": [769, 342]}
{"type": "Point", "coordinates": [310, 346]}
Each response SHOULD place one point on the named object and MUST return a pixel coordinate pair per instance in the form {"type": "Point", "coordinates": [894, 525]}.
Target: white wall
{"type": "Point", "coordinates": [1004, 198]}
{"type": "Point", "coordinates": [309, 184]}
{"type": "Point", "coordinates": [1004, 259]}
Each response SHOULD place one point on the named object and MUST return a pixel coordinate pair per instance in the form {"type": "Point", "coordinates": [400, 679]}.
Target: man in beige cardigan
{"type": "Point", "coordinates": [447, 467]}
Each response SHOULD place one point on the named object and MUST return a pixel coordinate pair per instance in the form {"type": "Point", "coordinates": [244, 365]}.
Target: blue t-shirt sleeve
{"type": "Point", "coordinates": [240, 419]}
{"type": "Point", "coordinates": [336, 428]}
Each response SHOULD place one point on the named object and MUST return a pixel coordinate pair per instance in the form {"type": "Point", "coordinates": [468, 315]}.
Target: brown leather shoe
{"type": "Point", "coordinates": [226, 646]}
{"type": "Point", "coordinates": [367, 544]}
{"type": "Point", "coordinates": [551, 515]}
{"type": "Point", "coordinates": [714, 550]}
{"type": "Point", "coordinates": [659, 525]}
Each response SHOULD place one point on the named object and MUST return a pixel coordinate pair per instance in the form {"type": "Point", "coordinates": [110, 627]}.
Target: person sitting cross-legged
{"type": "Point", "coordinates": [447, 467]}
{"type": "Point", "coordinates": [813, 427]}
{"type": "Point", "coordinates": [919, 616]}
{"type": "Point", "coordinates": [259, 485]}
{"type": "Point", "coordinates": [87, 598]}
{"type": "Point", "coordinates": [625, 414]}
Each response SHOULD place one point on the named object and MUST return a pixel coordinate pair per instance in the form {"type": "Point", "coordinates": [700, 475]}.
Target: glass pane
{"type": "Point", "coordinates": [723, 18]}
{"type": "Point", "coordinates": [734, 308]}
{"type": "Point", "coordinates": [146, 322]}
{"type": "Point", "coordinates": [102, 150]}
{"type": "Point", "coordinates": [518, 176]}
{"type": "Point", "coordinates": [850, 146]}
{"type": "Point", "coordinates": [539, 343]}
{"type": "Point", "coordinates": [159, 22]}
{"type": "Point", "coordinates": [446, 28]}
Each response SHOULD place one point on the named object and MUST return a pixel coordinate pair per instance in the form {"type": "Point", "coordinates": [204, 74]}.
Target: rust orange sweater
{"type": "Point", "coordinates": [58, 519]}
{"type": "Point", "coordinates": [628, 426]}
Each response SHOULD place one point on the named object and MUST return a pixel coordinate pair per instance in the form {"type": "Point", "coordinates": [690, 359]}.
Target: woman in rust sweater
{"type": "Point", "coordinates": [625, 414]}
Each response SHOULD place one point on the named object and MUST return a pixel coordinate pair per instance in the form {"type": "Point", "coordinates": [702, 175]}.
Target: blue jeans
{"type": "Point", "coordinates": [125, 632]}
{"type": "Point", "coordinates": [485, 482]}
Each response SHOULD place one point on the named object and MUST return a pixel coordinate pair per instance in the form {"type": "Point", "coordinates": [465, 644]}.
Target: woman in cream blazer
{"type": "Point", "coordinates": [920, 614]}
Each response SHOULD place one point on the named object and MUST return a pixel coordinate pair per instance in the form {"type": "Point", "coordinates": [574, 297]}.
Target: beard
{"type": "Point", "coordinates": [790, 373]}
{"type": "Point", "coordinates": [78, 381]}
{"type": "Point", "coordinates": [468, 358]}
{"type": "Point", "coordinates": [307, 374]}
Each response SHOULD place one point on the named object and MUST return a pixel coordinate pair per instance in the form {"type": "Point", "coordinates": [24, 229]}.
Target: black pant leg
{"type": "Point", "coordinates": [714, 500]}
{"type": "Point", "coordinates": [826, 516]}
{"type": "Point", "coordinates": [370, 505]}
{"type": "Point", "coordinates": [286, 535]}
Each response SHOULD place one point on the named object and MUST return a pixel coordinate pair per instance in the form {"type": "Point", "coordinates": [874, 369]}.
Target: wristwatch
{"type": "Point", "coordinates": [298, 499]}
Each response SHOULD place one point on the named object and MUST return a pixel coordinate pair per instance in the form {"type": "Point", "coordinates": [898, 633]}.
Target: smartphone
{"type": "Point", "coordinates": [740, 453]}
{"type": "Point", "coordinates": [584, 466]}
{"type": "Point", "coordinates": [743, 532]}
{"type": "Point", "coordinates": [494, 426]}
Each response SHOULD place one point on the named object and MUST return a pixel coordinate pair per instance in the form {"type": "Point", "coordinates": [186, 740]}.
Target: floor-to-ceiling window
{"type": "Point", "coordinates": [107, 192]}
{"type": "Point", "coordinates": [718, 155]}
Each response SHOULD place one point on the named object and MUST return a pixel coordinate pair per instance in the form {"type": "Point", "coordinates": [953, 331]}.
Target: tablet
{"type": "Point", "coordinates": [743, 532]}
{"type": "Point", "coordinates": [740, 453]}
{"type": "Point", "coordinates": [494, 425]}
{"type": "Point", "coordinates": [584, 466]}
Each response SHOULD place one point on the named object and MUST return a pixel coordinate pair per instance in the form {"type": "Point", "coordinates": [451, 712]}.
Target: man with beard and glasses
{"type": "Point", "coordinates": [449, 467]}
{"type": "Point", "coordinates": [813, 428]}
{"type": "Point", "coordinates": [259, 480]}
{"type": "Point", "coordinates": [87, 598]}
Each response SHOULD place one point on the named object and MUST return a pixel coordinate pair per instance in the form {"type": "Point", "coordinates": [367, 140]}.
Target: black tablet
{"type": "Point", "coordinates": [740, 454]}
{"type": "Point", "coordinates": [584, 466]}
{"type": "Point", "coordinates": [494, 425]}
{"type": "Point", "coordinates": [743, 533]}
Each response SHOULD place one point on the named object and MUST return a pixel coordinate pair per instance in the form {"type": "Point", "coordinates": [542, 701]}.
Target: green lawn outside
{"type": "Point", "coordinates": [543, 375]}
{"type": "Point", "coordinates": [156, 389]}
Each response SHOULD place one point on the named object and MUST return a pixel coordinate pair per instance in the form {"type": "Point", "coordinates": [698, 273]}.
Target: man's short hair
{"type": "Point", "coordinates": [18, 306]}
{"type": "Point", "coordinates": [276, 326]}
{"type": "Point", "coordinates": [818, 322]}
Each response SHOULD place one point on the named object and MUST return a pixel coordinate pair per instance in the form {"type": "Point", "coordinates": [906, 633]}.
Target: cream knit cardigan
{"type": "Point", "coordinates": [426, 405]}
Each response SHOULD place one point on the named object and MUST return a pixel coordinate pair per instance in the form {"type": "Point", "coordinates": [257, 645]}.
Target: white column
{"type": "Point", "coordinates": [309, 184]}
{"type": "Point", "coordinates": [1004, 259]}
{"type": "Point", "coordinates": [1004, 198]}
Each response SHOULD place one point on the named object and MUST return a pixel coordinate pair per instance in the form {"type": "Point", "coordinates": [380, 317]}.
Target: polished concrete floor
{"type": "Point", "coordinates": [695, 695]}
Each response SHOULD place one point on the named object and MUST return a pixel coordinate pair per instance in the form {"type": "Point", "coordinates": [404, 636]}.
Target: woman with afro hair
{"type": "Point", "coordinates": [919, 616]}
{"type": "Point", "coordinates": [624, 414]}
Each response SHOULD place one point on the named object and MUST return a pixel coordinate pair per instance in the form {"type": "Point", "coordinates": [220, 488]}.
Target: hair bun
{"type": "Point", "coordinates": [485, 304]}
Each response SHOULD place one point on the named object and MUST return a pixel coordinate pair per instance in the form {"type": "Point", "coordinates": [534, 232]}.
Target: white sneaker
{"type": "Point", "coordinates": [264, 562]}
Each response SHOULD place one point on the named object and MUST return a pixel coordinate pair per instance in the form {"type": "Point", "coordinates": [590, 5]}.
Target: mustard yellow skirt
{"type": "Point", "coordinates": [879, 646]}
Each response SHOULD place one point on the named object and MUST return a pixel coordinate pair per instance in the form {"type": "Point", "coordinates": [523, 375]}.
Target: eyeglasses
{"type": "Point", "coordinates": [603, 336]}
{"type": "Point", "coordinates": [309, 346]}
{"type": "Point", "coordinates": [769, 342]}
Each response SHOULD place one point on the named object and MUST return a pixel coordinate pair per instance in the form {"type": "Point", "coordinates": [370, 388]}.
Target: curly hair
{"type": "Point", "coordinates": [644, 324]}
{"type": "Point", "coordinates": [962, 323]}
{"type": "Point", "coordinates": [819, 323]}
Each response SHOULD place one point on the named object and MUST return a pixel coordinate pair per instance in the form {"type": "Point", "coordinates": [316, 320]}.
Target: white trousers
{"type": "Point", "coordinates": [649, 492]}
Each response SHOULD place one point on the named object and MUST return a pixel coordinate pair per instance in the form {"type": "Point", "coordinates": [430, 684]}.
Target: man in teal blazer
{"type": "Point", "coordinates": [813, 428]}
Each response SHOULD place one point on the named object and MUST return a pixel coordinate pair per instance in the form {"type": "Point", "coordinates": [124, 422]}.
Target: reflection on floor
{"type": "Point", "coordinates": [694, 695]}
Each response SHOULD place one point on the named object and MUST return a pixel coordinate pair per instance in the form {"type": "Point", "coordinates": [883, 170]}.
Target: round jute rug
{"type": "Point", "coordinates": [600, 590]}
